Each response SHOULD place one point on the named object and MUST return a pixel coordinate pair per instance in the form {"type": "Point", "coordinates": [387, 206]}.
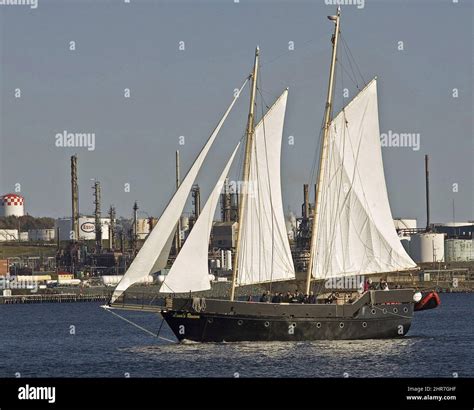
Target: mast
{"type": "Point", "coordinates": [324, 144]}
{"type": "Point", "coordinates": [246, 168]}
{"type": "Point", "coordinates": [177, 237]}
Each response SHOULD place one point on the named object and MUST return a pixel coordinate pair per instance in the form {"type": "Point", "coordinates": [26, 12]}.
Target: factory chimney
{"type": "Point", "coordinates": [98, 225]}
{"type": "Point", "coordinates": [112, 229]}
{"type": "Point", "coordinates": [427, 181]}
{"type": "Point", "coordinates": [226, 202]}
{"type": "Point", "coordinates": [305, 210]}
{"type": "Point", "coordinates": [75, 199]}
{"type": "Point", "coordinates": [196, 193]}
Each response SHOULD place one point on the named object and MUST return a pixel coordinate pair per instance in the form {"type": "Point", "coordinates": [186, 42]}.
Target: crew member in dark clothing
{"type": "Point", "coordinates": [264, 298]}
{"type": "Point", "coordinates": [312, 297]}
{"type": "Point", "coordinates": [286, 298]}
{"type": "Point", "coordinates": [276, 298]}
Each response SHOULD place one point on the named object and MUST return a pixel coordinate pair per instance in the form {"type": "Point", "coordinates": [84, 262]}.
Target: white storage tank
{"type": "Point", "coordinates": [458, 250]}
{"type": "Point", "coordinates": [184, 223]}
{"type": "Point", "coordinates": [12, 205]}
{"type": "Point", "coordinates": [86, 228]}
{"type": "Point", "coordinates": [228, 260]}
{"type": "Point", "coordinates": [42, 234]}
{"type": "Point", "coordinates": [7, 235]}
{"type": "Point", "coordinates": [113, 280]}
{"type": "Point", "coordinates": [143, 228]}
{"type": "Point", "coordinates": [427, 247]}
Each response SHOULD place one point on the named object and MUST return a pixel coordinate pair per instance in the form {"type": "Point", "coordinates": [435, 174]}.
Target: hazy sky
{"type": "Point", "coordinates": [177, 93]}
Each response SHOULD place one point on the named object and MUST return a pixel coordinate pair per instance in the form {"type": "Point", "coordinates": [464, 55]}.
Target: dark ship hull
{"type": "Point", "coordinates": [376, 315]}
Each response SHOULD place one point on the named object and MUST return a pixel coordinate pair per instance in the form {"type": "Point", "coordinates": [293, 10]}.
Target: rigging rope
{"type": "Point", "coordinates": [106, 308]}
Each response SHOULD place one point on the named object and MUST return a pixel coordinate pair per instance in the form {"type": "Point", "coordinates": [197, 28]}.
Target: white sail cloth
{"type": "Point", "coordinates": [264, 250]}
{"type": "Point", "coordinates": [356, 235]}
{"type": "Point", "coordinates": [145, 261]}
{"type": "Point", "coordinates": [190, 271]}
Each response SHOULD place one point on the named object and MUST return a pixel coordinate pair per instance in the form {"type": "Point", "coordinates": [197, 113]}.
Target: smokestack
{"type": "Point", "coordinates": [427, 177]}
{"type": "Point", "coordinates": [197, 201]}
{"type": "Point", "coordinates": [75, 199]}
{"type": "Point", "coordinates": [112, 228]}
{"type": "Point", "coordinates": [305, 201]}
{"type": "Point", "coordinates": [98, 225]}
{"type": "Point", "coordinates": [226, 202]}
{"type": "Point", "coordinates": [122, 242]}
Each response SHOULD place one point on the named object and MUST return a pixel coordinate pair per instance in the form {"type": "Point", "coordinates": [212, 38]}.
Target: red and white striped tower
{"type": "Point", "coordinates": [12, 205]}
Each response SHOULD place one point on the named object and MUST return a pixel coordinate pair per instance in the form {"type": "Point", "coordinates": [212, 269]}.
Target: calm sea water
{"type": "Point", "coordinates": [83, 340]}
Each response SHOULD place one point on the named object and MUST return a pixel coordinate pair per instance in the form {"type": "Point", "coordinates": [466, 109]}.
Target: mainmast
{"type": "Point", "coordinates": [324, 145]}
{"type": "Point", "coordinates": [246, 169]}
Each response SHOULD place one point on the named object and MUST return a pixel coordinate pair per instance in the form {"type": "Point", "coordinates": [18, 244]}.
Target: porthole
{"type": "Point", "coordinates": [210, 320]}
{"type": "Point", "coordinates": [395, 310]}
{"type": "Point", "coordinates": [373, 311]}
{"type": "Point", "coordinates": [267, 324]}
{"type": "Point", "coordinates": [341, 325]}
{"type": "Point", "coordinates": [364, 324]}
{"type": "Point", "coordinates": [293, 324]}
{"type": "Point", "coordinates": [318, 325]}
{"type": "Point", "coordinates": [239, 322]}
{"type": "Point", "coordinates": [405, 309]}
{"type": "Point", "coordinates": [384, 311]}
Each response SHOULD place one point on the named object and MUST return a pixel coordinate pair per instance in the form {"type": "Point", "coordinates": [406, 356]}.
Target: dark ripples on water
{"type": "Point", "coordinates": [36, 341]}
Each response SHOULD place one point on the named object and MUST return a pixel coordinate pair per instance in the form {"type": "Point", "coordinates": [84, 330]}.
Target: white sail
{"type": "Point", "coordinates": [356, 235]}
{"type": "Point", "coordinates": [190, 271]}
{"type": "Point", "coordinates": [264, 250]}
{"type": "Point", "coordinates": [145, 261]}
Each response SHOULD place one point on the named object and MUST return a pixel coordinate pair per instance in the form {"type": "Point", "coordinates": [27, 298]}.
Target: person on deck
{"type": "Point", "coordinates": [383, 285]}
{"type": "Point", "coordinates": [264, 298]}
{"type": "Point", "coordinates": [312, 298]}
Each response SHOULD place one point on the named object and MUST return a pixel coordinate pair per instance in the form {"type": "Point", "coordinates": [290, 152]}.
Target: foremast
{"type": "Point", "coordinates": [324, 146]}
{"type": "Point", "coordinates": [246, 169]}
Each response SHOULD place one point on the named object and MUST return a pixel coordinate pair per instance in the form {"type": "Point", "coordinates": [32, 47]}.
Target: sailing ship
{"type": "Point", "coordinates": [353, 235]}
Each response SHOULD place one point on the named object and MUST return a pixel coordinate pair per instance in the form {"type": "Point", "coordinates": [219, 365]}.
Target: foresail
{"type": "Point", "coordinates": [145, 261]}
{"type": "Point", "coordinates": [356, 235]}
{"type": "Point", "coordinates": [264, 253]}
{"type": "Point", "coordinates": [190, 271]}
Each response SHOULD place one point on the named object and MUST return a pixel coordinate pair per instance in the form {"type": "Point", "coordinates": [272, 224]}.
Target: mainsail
{"type": "Point", "coordinates": [190, 271]}
{"type": "Point", "coordinates": [264, 253]}
{"type": "Point", "coordinates": [145, 261]}
{"type": "Point", "coordinates": [356, 235]}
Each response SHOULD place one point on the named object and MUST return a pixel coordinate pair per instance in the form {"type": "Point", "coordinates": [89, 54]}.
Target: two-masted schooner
{"type": "Point", "coordinates": [352, 234]}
